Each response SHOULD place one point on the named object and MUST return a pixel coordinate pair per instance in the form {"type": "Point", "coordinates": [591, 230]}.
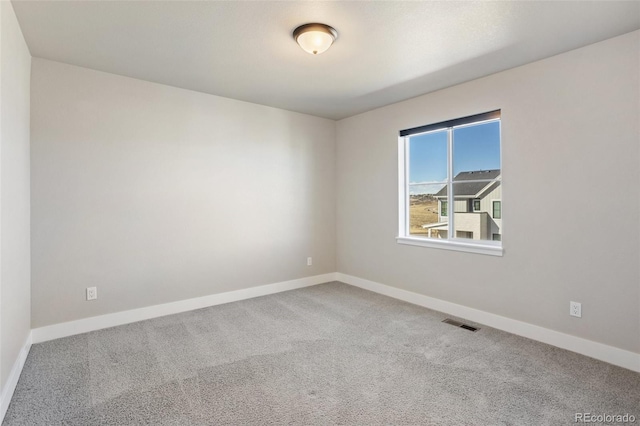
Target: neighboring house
{"type": "Point", "coordinates": [478, 207]}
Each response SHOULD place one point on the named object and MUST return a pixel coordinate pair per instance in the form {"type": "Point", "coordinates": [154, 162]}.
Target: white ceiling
{"type": "Point", "coordinates": [386, 51]}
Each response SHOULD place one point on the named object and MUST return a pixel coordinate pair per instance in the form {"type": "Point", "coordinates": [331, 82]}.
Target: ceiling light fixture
{"type": "Point", "coordinates": [315, 38]}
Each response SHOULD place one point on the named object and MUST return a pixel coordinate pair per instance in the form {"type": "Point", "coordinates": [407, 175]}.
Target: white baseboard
{"type": "Point", "coordinates": [85, 325]}
{"type": "Point", "coordinates": [606, 353]}
{"type": "Point", "coordinates": [610, 354]}
{"type": "Point", "coordinates": [14, 375]}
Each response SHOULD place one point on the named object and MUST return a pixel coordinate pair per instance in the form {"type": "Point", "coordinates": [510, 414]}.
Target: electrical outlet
{"type": "Point", "coordinates": [92, 293]}
{"type": "Point", "coordinates": [309, 261]}
{"type": "Point", "coordinates": [575, 309]}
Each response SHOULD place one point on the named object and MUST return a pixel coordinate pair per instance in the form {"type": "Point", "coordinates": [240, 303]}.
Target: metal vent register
{"type": "Point", "coordinates": [460, 324]}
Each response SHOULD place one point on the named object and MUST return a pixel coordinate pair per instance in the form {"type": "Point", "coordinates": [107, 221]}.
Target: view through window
{"type": "Point", "coordinates": [453, 180]}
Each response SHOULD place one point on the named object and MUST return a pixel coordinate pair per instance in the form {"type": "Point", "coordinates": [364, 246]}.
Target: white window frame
{"type": "Point", "coordinates": [487, 247]}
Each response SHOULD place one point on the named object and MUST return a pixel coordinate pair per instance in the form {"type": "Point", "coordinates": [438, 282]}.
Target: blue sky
{"type": "Point", "coordinates": [474, 148]}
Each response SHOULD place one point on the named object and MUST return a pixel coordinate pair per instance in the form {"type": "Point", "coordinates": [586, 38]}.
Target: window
{"type": "Point", "coordinates": [450, 185]}
{"type": "Point", "coordinates": [497, 210]}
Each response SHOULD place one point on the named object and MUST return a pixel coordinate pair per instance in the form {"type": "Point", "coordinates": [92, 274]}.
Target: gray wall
{"type": "Point", "coordinates": [156, 194]}
{"type": "Point", "coordinates": [571, 202]}
{"type": "Point", "coordinates": [15, 69]}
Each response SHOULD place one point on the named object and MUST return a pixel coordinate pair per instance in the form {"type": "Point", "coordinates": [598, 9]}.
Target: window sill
{"type": "Point", "coordinates": [491, 250]}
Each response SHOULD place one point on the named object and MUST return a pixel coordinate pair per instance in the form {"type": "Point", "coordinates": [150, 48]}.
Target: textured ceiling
{"type": "Point", "coordinates": [385, 52]}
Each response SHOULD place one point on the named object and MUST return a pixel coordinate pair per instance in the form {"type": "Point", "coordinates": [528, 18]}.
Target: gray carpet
{"type": "Point", "coordinates": [323, 355]}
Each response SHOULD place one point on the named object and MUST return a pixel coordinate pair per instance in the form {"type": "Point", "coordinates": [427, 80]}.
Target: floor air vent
{"type": "Point", "coordinates": [461, 325]}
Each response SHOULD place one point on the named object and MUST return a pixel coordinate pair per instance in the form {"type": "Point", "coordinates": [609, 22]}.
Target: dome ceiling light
{"type": "Point", "coordinates": [315, 38]}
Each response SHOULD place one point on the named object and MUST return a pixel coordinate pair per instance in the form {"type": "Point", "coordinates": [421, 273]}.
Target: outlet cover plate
{"type": "Point", "coordinates": [92, 293]}
{"type": "Point", "coordinates": [575, 309]}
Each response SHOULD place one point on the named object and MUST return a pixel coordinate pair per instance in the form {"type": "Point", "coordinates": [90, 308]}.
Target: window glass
{"type": "Point", "coordinates": [427, 177]}
{"type": "Point", "coordinates": [476, 147]}
{"type": "Point", "coordinates": [497, 210]}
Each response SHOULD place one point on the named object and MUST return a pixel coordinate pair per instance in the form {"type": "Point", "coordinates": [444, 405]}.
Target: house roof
{"type": "Point", "coordinates": [462, 188]}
